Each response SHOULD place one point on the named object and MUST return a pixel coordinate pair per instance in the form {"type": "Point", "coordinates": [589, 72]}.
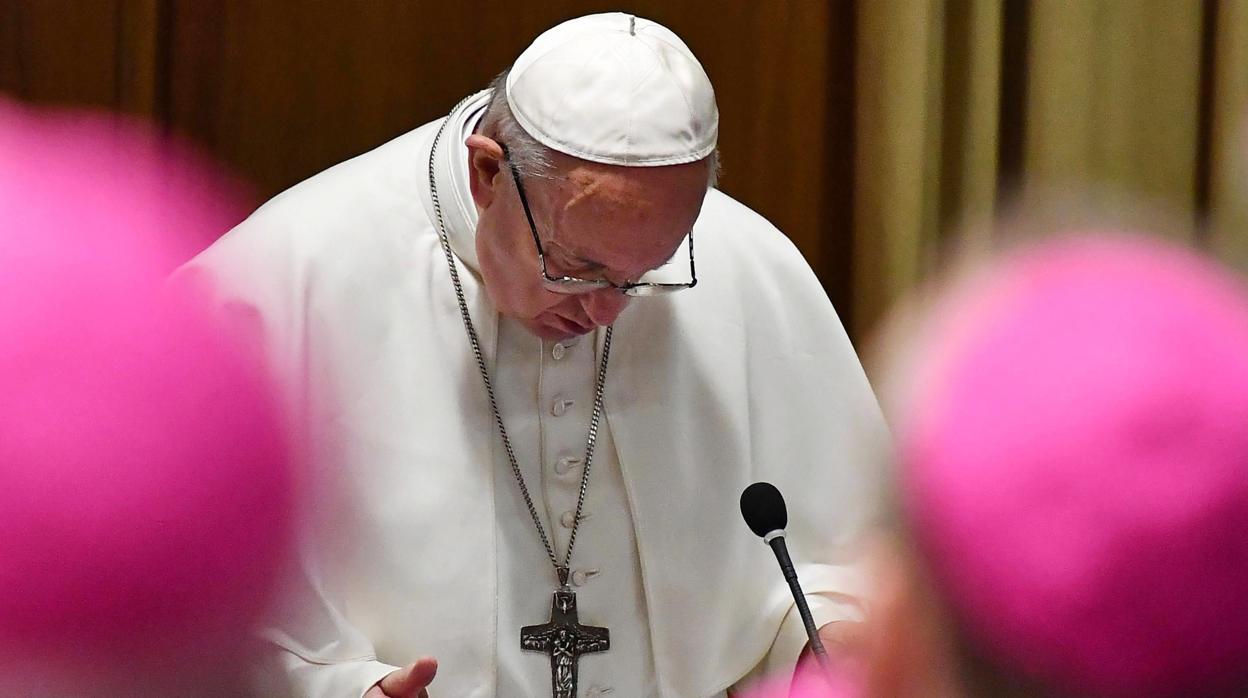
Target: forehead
{"type": "Point", "coordinates": [624, 216]}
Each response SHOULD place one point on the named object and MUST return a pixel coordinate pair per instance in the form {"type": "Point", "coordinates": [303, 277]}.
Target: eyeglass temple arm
{"type": "Point", "coordinates": [524, 203]}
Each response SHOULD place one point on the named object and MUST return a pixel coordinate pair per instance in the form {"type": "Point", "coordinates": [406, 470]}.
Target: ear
{"type": "Point", "coordinates": [486, 170]}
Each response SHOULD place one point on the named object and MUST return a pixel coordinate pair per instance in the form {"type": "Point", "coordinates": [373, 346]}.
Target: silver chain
{"type": "Point", "coordinates": [561, 571]}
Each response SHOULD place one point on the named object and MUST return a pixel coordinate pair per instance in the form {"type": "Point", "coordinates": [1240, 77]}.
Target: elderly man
{"type": "Point", "coordinates": [540, 411]}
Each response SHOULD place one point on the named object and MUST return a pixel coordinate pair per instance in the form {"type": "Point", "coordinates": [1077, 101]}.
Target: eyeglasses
{"type": "Point", "coordinates": [571, 285]}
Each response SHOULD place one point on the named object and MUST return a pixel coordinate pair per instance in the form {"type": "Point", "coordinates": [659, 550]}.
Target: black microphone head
{"type": "Point", "coordinates": [762, 505]}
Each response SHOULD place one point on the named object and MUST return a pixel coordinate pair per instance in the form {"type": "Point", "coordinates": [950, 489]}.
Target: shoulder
{"type": "Point", "coordinates": [351, 195]}
{"type": "Point", "coordinates": [356, 214]}
{"type": "Point", "coordinates": [735, 235]}
{"type": "Point", "coordinates": [751, 275]}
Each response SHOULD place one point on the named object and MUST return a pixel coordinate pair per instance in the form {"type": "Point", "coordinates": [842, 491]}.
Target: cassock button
{"type": "Point", "coordinates": [565, 464]}
{"type": "Point", "coordinates": [558, 351]}
{"type": "Point", "coordinates": [567, 519]}
{"type": "Point", "coordinates": [561, 406]}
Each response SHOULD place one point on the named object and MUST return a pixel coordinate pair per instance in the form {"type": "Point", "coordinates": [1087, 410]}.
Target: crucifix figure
{"type": "Point", "coordinates": [565, 641]}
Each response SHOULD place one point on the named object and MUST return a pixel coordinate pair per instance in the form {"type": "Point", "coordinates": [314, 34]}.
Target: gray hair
{"type": "Point", "coordinates": [531, 157]}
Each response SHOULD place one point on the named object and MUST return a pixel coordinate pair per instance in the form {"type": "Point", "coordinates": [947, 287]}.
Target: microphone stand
{"type": "Point", "coordinates": [775, 540]}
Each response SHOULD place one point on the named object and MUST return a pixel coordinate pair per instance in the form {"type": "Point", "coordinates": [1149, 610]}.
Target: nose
{"type": "Point", "coordinates": [604, 306]}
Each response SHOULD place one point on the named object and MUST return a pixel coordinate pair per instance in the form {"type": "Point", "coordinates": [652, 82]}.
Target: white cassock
{"type": "Point", "coordinates": [749, 376]}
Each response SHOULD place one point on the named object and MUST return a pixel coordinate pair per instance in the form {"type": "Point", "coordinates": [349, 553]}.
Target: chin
{"type": "Point", "coordinates": [551, 334]}
{"type": "Point", "coordinates": [554, 330]}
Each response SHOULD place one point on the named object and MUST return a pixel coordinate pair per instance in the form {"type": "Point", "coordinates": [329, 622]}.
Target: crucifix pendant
{"type": "Point", "coordinates": [565, 641]}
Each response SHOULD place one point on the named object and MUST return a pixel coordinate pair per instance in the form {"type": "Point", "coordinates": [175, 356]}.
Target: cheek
{"type": "Point", "coordinates": [513, 286]}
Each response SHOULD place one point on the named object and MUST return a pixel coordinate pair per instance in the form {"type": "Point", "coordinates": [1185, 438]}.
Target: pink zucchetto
{"type": "Point", "coordinates": [1074, 466]}
{"type": "Point", "coordinates": [811, 682]}
{"type": "Point", "coordinates": [146, 481]}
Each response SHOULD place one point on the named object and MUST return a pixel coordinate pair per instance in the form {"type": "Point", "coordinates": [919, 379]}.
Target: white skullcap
{"type": "Point", "coordinates": [615, 89]}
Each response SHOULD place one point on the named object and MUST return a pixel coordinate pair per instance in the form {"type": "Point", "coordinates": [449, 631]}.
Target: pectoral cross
{"type": "Point", "coordinates": [565, 641]}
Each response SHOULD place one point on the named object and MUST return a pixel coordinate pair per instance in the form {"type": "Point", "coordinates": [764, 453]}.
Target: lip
{"type": "Point", "coordinates": [564, 324]}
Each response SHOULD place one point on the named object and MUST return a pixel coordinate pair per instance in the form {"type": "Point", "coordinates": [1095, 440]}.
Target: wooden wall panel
{"type": "Point", "coordinates": [63, 52]}
{"type": "Point", "coordinates": [97, 53]}
{"type": "Point", "coordinates": [10, 48]}
{"type": "Point", "coordinates": [140, 60]}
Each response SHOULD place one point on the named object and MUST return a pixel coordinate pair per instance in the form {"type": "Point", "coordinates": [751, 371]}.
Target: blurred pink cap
{"type": "Point", "coordinates": [811, 682]}
{"type": "Point", "coordinates": [1075, 465]}
{"type": "Point", "coordinates": [146, 496]}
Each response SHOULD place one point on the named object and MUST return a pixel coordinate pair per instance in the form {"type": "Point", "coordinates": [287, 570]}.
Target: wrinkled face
{"type": "Point", "coordinates": [595, 222]}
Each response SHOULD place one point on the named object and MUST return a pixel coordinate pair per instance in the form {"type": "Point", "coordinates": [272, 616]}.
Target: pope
{"type": "Point", "coordinates": [541, 399]}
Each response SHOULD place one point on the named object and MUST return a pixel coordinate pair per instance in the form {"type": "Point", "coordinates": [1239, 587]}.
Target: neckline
{"type": "Point", "coordinates": [450, 170]}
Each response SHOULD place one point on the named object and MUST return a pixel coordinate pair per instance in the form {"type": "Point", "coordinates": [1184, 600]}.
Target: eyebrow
{"type": "Point", "coordinates": [591, 264]}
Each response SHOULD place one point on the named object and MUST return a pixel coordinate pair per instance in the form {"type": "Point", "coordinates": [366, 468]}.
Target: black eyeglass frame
{"type": "Point", "coordinates": [572, 285]}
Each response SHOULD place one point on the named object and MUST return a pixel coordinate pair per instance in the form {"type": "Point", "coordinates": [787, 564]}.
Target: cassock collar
{"type": "Point", "coordinates": [450, 173]}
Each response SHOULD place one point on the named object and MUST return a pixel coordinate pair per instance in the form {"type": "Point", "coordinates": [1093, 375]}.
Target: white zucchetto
{"type": "Point", "coordinates": [616, 89]}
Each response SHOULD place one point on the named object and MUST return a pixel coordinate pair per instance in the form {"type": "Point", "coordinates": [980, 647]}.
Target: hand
{"type": "Point", "coordinates": [408, 682]}
{"type": "Point", "coordinates": [842, 639]}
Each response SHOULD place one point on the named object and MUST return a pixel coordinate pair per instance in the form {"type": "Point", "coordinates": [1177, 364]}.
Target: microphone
{"type": "Point", "coordinates": [763, 508]}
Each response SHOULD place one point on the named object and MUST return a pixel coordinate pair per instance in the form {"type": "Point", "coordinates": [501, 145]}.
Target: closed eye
{"type": "Point", "coordinates": [572, 264]}
{"type": "Point", "coordinates": [589, 265]}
